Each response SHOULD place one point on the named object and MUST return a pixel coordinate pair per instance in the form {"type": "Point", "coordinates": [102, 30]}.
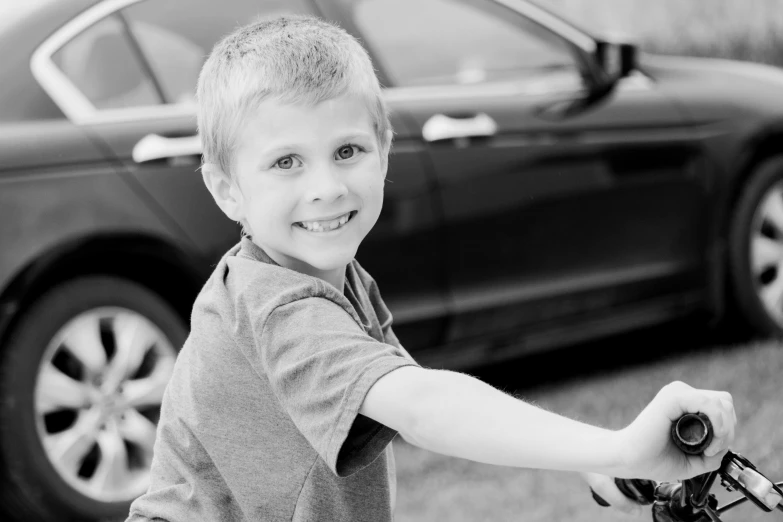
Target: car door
{"type": "Point", "coordinates": [555, 206]}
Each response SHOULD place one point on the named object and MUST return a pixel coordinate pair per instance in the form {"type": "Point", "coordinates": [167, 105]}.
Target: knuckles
{"type": "Point", "coordinates": [674, 388]}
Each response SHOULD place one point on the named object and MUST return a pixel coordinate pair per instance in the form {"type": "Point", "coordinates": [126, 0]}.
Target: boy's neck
{"type": "Point", "coordinates": [335, 277]}
{"type": "Point", "coordinates": [336, 280]}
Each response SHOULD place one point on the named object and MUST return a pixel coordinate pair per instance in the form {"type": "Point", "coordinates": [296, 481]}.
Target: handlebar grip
{"type": "Point", "coordinates": [692, 433]}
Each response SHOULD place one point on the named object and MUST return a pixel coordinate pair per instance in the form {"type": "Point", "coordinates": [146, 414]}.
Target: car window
{"type": "Point", "coordinates": [101, 62]}
{"type": "Point", "coordinates": [177, 36]}
{"type": "Point", "coordinates": [442, 42]}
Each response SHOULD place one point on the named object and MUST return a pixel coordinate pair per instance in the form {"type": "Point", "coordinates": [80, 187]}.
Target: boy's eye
{"type": "Point", "coordinates": [286, 163]}
{"type": "Point", "coordinates": [347, 151]}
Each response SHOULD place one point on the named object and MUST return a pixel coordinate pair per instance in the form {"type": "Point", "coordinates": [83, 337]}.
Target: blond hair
{"type": "Point", "coordinates": [294, 59]}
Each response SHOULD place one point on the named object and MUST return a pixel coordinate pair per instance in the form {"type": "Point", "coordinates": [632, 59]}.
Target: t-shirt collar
{"type": "Point", "coordinates": [252, 251]}
{"type": "Point", "coordinates": [248, 249]}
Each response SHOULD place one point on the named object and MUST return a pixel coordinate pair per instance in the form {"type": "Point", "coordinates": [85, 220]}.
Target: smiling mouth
{"type": "Point", "coordinates": [326, 226]}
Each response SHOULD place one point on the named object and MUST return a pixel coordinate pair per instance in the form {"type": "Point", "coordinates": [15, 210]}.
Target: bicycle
{"type": "Point", "coordinates": [691, 500]}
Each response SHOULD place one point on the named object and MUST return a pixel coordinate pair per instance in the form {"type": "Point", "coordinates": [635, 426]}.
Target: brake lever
{"type": "Point", "coordinates": [690, 500]}
{"type": "Point", "coordinates": [738, 473]}
{"type": "Point", "coordinates": [692, 433]}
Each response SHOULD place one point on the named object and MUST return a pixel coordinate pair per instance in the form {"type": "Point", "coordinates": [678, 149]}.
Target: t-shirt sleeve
{"type": "Point", "coordinates": [320, 364]}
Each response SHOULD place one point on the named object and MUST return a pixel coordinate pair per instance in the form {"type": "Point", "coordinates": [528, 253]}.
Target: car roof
{"type": "Point", "coordinates": [36, 19]}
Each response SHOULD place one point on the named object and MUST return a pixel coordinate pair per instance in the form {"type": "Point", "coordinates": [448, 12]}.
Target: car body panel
{"type": "Point", "coordinates": [729, 104]}
{"type": "Point", "coordinates": [712, 90]}
{"type": "Point", "coordinates": [174, 184]}
{"type": "Point", "coordinates": [28, 147]}
{"type": "Point", "coordinates": [735, 109]}
{"type": "Point", "coordinates": [51, 207]}
{"type": "Point", "coordinates": [592, 201]}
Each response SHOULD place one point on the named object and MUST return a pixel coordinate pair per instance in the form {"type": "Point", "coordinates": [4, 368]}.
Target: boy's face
{"type": "Point", "coordinates": [309, 182]}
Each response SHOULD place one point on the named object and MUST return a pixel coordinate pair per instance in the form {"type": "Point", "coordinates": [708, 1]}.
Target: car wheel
{"type": "Point", "coordinates": [756, 249]}
{"type": "Point", "coordinates": [81, 382]}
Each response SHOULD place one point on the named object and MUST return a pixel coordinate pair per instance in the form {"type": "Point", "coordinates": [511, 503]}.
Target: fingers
{"type": "Point", "coordinates": [707, 464]}
{"type": "Point", "coordinates": [719, 408]}
{"type": "Point", "coordinates": [606, 488]}
{"type": "Point", "coordinates": [729, 423]}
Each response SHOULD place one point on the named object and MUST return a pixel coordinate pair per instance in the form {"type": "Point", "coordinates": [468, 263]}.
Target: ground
{"type": "Point", "coordinates": [605, 383]}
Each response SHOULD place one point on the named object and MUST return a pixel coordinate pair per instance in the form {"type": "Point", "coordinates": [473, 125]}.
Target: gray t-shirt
{"type": "Point", "coordinates": [260, 419]}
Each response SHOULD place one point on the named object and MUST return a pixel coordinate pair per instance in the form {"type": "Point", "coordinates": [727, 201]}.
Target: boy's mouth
{"type": "Point", "coordinates": [326, 225]}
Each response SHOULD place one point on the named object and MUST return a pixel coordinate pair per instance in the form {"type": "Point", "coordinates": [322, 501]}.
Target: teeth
{"type": "Point", "coordinates": [325, 226]}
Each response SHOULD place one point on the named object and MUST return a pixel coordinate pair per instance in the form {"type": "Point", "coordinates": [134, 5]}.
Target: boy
{"type": "Point", "coordinates": [292, 384]}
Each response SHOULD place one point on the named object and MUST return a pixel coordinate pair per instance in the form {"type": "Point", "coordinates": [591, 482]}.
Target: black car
{"type": "Point", "coordinates": [546, 187]}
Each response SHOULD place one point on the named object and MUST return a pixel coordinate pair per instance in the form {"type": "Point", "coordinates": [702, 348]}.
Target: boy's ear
{"type": "Point", "coordinates": [385, 148]}
{"type": "Point", "coordinates": [224, 191]}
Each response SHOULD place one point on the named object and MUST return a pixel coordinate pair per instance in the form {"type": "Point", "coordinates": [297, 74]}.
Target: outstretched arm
{"type": "Point", "coordinates": [458, 415]}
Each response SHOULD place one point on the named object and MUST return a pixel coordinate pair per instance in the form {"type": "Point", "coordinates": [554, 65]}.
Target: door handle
{"type": "Point", "coordinates": [153, 147]}
{"type": "Point", "coordinates": [442, 127]}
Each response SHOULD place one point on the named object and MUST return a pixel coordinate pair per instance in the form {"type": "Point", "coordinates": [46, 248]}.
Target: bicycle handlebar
{"type": "Point", "coordinates": [690, 500]}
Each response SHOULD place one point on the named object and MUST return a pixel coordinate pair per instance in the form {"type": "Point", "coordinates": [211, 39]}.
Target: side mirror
{"type": "Point", "coordinates": [616, 59]}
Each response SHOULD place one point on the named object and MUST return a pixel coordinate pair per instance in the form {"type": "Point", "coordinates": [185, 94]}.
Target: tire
{"type": "Point", "coordinates": [756, 250]}
{"type": "Point", "coordinates": [76, 429]}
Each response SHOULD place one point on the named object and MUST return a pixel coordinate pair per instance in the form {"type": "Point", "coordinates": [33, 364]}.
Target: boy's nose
{"type": "Point", "coordinates": [325, 184]}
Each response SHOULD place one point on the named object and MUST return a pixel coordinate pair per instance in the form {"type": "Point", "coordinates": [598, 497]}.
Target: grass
{"type": "Point", "coordinates": [435, 487]}
{"type": "Point", "coordinates": [744, 30]}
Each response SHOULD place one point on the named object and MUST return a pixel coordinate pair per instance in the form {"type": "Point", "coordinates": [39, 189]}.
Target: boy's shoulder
{"type": "Point", "coordinates": [252, 284]}
{"type": "Point", "coordinates": [251, 278]}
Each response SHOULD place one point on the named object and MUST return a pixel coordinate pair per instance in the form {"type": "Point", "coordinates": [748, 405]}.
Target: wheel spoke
{"type": "Point", "coordinates": [83, 339]}
{"type": "Point", "coordinates": [112, 470]}
{"type": "Point", "coordinates": [147, 391]}
{"type": "Point", "coordinates": [771, 294]}
{"type": "Point", "coordinates": [765, 252]}
{"type": "Point", "coordinates": [134, 337]}
{"type": "Point", "coordinates": [69, 448]}
{"type": "Point", "coordinates": [56, 391]}
{"type": "Point", "coordinates": [138, 429]}
{"type": "Point", "coordinates": [773, 208]}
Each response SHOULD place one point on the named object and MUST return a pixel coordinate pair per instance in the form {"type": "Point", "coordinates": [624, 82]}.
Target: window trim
{"type": "Point", "coordinates": [583, 43]}
{"type": "Point", "coordinates": [553, 23]}
{"type": "Point", "coordinates": [499, 89]}
{"type": "Point", "coordinates": [74, 104]}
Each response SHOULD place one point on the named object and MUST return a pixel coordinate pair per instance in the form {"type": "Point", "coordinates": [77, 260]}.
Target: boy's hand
{"type": "Point", "coordinates": [605, 487]}
{"type": "Point", "coordinates": [646, 447]}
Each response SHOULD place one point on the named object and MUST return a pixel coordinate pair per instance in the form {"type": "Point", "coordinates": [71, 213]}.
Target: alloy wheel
{"type": "Point", "coordinates": [97, 401]}
{"type": "Point", "coordinates": [766, 252]}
